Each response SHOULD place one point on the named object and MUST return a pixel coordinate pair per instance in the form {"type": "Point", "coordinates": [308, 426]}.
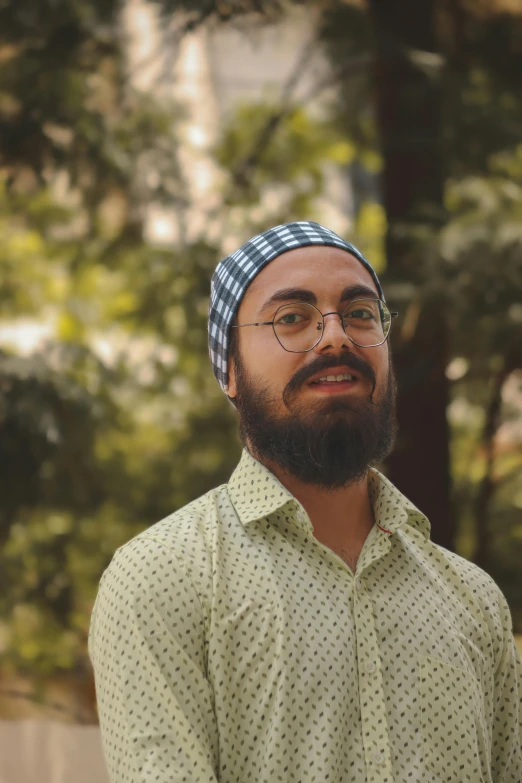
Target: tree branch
{"type": "Point", "coordinates": [354, 65]}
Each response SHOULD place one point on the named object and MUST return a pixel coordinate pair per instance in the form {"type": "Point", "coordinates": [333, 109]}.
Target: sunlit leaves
{"type": "Point", "coordinates": [292, 157]}
{"type": "Point", "coordinates": [119, 421]}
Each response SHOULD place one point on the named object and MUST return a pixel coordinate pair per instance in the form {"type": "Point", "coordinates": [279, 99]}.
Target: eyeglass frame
{"type": "Point", "coordinates": [323, 315]}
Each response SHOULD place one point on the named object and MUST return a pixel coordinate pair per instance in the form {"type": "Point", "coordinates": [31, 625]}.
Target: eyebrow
{"type": "Point", "coordinates": [304, 295]}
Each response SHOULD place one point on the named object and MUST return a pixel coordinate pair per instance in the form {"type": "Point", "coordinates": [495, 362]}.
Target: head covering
{"type": "Point", "coordinates": [234, 274]}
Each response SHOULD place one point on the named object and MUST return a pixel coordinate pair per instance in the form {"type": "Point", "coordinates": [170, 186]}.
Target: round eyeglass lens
{"type": "Point", "coordinates": [298, 326]}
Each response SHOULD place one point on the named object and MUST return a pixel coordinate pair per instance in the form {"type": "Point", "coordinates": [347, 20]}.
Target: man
{"type": "Point", "coordinates": [297, 623]}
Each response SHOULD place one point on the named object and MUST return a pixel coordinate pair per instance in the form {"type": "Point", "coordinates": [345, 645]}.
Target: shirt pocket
{"type": "Point", "coordinates": [450, 706]}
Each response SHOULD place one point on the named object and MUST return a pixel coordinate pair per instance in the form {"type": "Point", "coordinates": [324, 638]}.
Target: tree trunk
{"type": "Point", "coordinates": [407, 83]}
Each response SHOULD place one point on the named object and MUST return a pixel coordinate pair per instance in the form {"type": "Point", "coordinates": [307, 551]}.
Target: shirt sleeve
{"type": "Point", "coordinates": [147, 648]}
{"type": "Point", "coordinates": [506, 748]}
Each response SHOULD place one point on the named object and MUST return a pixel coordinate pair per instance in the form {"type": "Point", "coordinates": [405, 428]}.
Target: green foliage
{"type": "Point", "coordinates": [96, 449]}
{"type": "Point", "coordinates": [195, 12]}
{"type": "Point", "coordinates": [481, 264]}
{"type": "Point", "coordinates": [276, 158]}
{"type": "Point", "coordinates": [92, 451]}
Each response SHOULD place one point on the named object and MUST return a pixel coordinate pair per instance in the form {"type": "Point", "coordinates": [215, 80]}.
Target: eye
{"type": "Point", "coordinates": [289, 319]}
{"type": "Point", "coordinates": [361, 313]}
{"type": "Point", "coordinates": [294, 317]}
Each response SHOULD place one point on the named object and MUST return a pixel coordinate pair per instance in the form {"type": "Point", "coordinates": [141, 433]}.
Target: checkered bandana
{"type": "Point", "coordinates": [234, 274]}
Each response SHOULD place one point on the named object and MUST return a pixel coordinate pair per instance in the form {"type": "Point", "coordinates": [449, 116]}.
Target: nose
{"type": "Point", "coordinates": [333, 335]}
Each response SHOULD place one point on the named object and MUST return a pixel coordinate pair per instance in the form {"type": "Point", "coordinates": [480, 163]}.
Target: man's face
{"type": "Point", "coordinates": [323, 434]}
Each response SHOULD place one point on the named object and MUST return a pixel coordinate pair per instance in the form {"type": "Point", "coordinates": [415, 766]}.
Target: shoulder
{"type": "Point", "coordinates": [479, 582]}
{"type": "Point", "coordinates": [181, 544]}
{"type": "Point", "coordinates": [479, 590]}
{"type": "Point", "coordinates": [188, 526]}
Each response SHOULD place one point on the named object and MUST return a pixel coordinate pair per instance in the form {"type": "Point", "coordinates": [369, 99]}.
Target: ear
{"type": "Point", "coordinates": [231, 388]}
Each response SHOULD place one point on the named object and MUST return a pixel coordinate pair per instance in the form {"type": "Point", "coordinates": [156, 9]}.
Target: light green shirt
{"type": "Point", "coordinates": [230, 645]}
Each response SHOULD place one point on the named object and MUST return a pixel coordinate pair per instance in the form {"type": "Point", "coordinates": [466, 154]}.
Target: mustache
{"type": "Point", "coordinates": [350, 361]}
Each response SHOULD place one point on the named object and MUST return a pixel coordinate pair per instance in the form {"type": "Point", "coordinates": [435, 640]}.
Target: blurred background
{"type": "Point", "coordinates": [140, 142]}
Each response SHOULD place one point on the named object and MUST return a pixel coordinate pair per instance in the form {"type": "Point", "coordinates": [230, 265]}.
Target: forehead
{"type": "Point", "coordinates": [323, 270]}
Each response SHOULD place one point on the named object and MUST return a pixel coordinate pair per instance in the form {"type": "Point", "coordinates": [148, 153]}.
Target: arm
{"type": "Point", "coordinates": [506, 749]}
{"type": "Point", "coordinates": [147, 647]}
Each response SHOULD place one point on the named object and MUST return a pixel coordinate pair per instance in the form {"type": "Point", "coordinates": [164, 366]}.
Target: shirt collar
{"type": "Point", "coordinates": [256, 493]}
{"type": "Point", "coordinates": [391, 508]}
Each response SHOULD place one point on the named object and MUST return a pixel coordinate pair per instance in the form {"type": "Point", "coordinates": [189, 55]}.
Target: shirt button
{"type": "Point", "coordinates": [369, 666]}
{"type": "Point", "coordinates": [378, 757]}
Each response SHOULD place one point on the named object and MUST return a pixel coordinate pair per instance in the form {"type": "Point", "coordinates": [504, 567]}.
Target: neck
{"type": "Point", "coordinates": [341, 518]}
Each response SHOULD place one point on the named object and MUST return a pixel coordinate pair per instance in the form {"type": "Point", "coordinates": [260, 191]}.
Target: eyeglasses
{"type": "Point", "coordinates": [299, 327]}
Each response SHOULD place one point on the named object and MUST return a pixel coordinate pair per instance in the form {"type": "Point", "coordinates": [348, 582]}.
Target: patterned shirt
{"type": "Point", "coordinates": [230, 645]}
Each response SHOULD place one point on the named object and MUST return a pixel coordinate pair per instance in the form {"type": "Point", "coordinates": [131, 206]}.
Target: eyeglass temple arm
{"type": "Point", "coordinates": [260, 323]}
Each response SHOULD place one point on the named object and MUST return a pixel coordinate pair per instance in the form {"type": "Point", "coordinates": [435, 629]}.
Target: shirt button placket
{"type": "Point", "coordinates": [373, 707]}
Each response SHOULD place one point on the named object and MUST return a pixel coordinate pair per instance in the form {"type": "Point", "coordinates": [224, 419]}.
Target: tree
{"type": "Point", "coordinates": [118, 420]}
{"type": "Point", "coordinates": [407, 77]}
{"type": "Point", "coordinates": [77, 144]}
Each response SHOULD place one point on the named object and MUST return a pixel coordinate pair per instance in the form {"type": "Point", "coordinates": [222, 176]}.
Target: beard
{"type": "Point", "coordinates": [329, 443]}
